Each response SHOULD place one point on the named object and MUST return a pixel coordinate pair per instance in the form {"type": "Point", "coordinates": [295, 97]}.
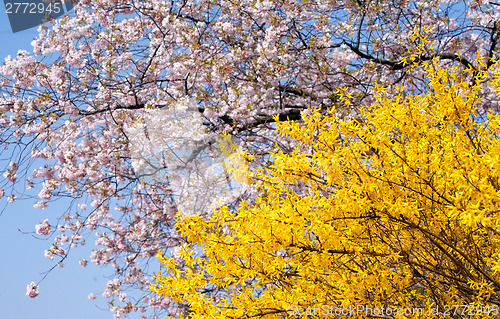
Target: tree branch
{"type": "Point", "coordinates": [401, 65]}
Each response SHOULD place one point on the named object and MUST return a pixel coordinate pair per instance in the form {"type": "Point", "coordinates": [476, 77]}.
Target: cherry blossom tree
{"type": "Point", "coordinates": [90, 99]}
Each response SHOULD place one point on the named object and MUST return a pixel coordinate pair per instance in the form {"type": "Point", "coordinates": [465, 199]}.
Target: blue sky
{"type": "Point", "coordinates": [63, 294]}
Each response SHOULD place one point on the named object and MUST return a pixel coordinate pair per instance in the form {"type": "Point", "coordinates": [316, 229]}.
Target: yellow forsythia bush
{"type": "Point", "coordinates": [393, 214]}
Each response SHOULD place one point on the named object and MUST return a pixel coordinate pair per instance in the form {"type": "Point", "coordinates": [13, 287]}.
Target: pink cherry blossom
{"type": "Point", "coordinates": [12, 198]}
{"type": "Point", "coordinates": [83, 262]}
{"type": "Point", "coordinates": [40, 205]}
{"type": "Point", "coordinates": [32, 290]}
{"type": "Point", "coordinates": [43, 228]}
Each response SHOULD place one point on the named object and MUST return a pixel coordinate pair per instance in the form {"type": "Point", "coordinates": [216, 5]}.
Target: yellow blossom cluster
{"type": "Point", "coordinates": [397, 209]}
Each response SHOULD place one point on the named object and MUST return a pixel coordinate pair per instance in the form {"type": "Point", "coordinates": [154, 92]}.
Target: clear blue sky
{"type": "Point", "coordinates": [63, 294]}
